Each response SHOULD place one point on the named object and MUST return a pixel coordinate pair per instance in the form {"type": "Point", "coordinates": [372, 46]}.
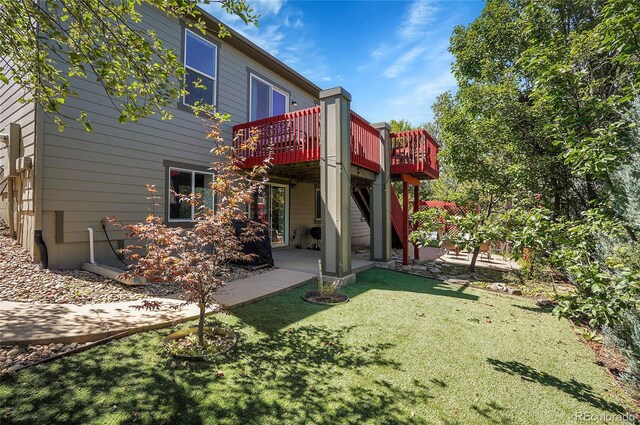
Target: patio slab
{"type": "Point", "coordinates": [257, 287]}
{"type": "Point", "coordinates": [497, 262]}
{"type": "Point", "coordinates": [306, 260]}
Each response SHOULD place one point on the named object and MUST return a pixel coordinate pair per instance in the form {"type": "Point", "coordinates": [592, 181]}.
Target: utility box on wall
{"type": "Point", "coordinates": [11, 142]}
{"type": "Point", "coordinates": [23, 163]}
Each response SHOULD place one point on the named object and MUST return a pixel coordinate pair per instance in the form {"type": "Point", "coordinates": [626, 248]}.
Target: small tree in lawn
{"type": "Point", "coordinates": [428, 221]}
{"type": "Point", "coordinates": [198, 258]}
{"type": "Point", "coordinates": [471, 230]}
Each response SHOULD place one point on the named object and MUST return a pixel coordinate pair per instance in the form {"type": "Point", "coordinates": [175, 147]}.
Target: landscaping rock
{"type": "Point", "coordinates": [457, 281]}
{"type": "Point", "coordinates": [515, 291]}
{"type": "Point", "coordinates": [13, 358]}
{"type": "Point", "coordinates": [21, 280]}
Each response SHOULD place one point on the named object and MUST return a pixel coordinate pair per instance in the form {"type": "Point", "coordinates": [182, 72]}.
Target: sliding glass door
{"type": "Point", "coordinates": [271, 207]}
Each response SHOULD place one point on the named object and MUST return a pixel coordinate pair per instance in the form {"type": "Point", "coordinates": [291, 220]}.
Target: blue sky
{"type": "Point", "coordinates": [390, 55]}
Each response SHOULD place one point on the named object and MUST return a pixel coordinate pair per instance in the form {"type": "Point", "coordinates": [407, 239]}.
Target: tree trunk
{"type": "Point", "coordinates": [201, 325]}
{"type": "Point", "coordinates": [592, 195]}
{"type": "Point", "coordinates": [474, 258]}
{"type": "Point", "coordinates": [476, 250]}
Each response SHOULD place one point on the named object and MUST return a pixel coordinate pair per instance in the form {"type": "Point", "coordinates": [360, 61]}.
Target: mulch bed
{"type": "Point", "coordinates": [317, 297]}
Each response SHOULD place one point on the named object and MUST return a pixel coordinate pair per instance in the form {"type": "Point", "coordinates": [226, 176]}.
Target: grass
{"type": "Point", "coordinates": [404, 350]}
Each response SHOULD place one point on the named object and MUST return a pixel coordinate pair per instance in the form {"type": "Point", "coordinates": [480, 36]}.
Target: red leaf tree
{"type": "Point", "coordinates": [197, 257]}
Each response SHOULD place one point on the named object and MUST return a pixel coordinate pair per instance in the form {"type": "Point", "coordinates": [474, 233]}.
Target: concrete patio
{"type": "Point", "coordinates": [305, 260]}
{"type": "Point", "coordinates": [495, 262]}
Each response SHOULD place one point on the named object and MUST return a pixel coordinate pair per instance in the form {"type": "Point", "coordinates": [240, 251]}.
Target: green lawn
{"type": "Point", "coordinates": [404, 350]}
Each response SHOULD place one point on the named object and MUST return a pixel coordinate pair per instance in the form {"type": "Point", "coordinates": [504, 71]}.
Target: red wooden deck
{"type": "Point", "coordinates": [295, 137]}
{"type": "Point", "coordinates": [414, 152]}
{"type": "Point", "coordinates": [291, 138]}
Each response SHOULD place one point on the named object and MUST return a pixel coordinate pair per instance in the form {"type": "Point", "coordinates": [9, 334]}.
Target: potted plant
{"type": "Point", "coordinates": [197, 257]}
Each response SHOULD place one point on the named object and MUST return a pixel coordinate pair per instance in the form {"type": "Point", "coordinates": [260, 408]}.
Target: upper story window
{"type": "Point", "coordinates": [185, 182]}
{"type": "Point", "coordinates": [265, 100]}
{"type": "Point", "coordinates": [200, 62]}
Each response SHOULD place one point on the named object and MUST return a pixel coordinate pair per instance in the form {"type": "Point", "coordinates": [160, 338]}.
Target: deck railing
{"type": "Point", "coordinates": [414, 151]}
{"type": "Point", "coordinates": [291, 138]}
{"type": "Point", "coordinates": [295, 137]}
{"type": "Point", "coordinates": [365, 144]}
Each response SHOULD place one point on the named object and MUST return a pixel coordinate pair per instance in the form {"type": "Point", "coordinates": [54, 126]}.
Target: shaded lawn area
{"type": "Point", "coordinates": [404, 350]}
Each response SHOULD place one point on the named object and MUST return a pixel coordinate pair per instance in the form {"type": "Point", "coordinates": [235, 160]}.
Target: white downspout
{"type": "Point", "coordinates": [92, 258]}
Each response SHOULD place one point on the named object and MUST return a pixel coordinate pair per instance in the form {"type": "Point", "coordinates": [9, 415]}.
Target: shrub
{"type": "Point", "coordinates": [625, 336]}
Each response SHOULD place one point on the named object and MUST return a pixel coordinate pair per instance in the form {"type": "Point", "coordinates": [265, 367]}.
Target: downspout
{"type": "Point", "coordinates": [92, 258]}
{"type": "Point", "coordinates": [42, 247]}
{"type": "Point", "coordinates": [10, 207]}
{"type": "Point", "coordinates": [5, 140]}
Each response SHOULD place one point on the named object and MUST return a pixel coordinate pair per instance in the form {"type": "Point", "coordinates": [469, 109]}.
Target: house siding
{"type": "Point", "coordinates": [360, 233]}
{"type": "Point", "coordinates": [302, 217]}
{"type": "Point", "coordinates": [88, 176]}
{"type": "Point", "coordinates": [12, 111]}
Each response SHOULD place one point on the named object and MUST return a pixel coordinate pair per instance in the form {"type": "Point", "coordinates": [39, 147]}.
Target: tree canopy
{"type": "Point", "coordinates": [45, 44]}
{"type": "Point", "coordinates": [542, 106]}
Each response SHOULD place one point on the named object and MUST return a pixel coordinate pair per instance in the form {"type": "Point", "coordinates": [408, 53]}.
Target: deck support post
{"type": "Point", "coordinates": [335, 183]}
{"type": "Point", "coordinates": [380, 223]}
{"type": "Point", "coordinates": [416, 208]}
{"type": "Point", "coordinates": [405, 223]}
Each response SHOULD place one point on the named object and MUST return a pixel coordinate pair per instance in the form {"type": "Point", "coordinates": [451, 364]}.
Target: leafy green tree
{"type": "Point", "coordinates": [46, 44]}
{"type": "Point", "coordinates": [541, 108]}
{"type": "Point", "coordinates": [545, 110]}
{"type": "Point", "coordinates": [585, 62]}
{"type": "Point", "coordinates": [471, 230]}
{"type": "Point", "coordinates": [400, 125]}
{"type": "Point", "coordinates": [429, 221]}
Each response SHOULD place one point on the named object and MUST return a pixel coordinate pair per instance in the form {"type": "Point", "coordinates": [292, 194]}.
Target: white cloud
{"type": "Point", "coordinates": [293, 20]}
{"type": "Point", "coordinates": [420, 15]}
{"type": "Point", "coordinates": [380, 52]}
{"type": "Point", "coordinates": [266, 7]}
{"type": "Point", "coordinates": [403, 62]}
{"type": "Point", "coordinates": [269, 37]}
{"type": "Point", "coordinates": [425, 92]}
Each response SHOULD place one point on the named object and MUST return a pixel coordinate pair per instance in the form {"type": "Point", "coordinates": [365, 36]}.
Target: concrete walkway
{"type": "Point", "coordinates": [24, 323]}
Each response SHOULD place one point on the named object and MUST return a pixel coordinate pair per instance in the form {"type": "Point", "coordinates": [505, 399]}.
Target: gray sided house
{"type": "Point", "coordinates": [54, 185]}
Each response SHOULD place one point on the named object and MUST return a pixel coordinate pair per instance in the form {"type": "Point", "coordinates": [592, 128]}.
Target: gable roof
{"type": "Point", "coordinates": [240, 42]}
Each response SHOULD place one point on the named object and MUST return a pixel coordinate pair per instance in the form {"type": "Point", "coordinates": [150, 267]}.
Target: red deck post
{"type": "Point", "coordinates": [405, 223]}
{"type": "Point", "coordinates": [416, 208]}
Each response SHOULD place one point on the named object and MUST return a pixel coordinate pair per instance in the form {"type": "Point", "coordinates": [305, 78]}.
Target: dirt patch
{"type": "Point", "coordinates": [317, 297]}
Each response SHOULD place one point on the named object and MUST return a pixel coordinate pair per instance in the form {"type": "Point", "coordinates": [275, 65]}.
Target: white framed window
{"type": "Point", "coordinates": [185, 182]}
{"type": "Point", "coordinates": [266, 100]}
{"type": "Point", "coordinates": [201, 64]}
